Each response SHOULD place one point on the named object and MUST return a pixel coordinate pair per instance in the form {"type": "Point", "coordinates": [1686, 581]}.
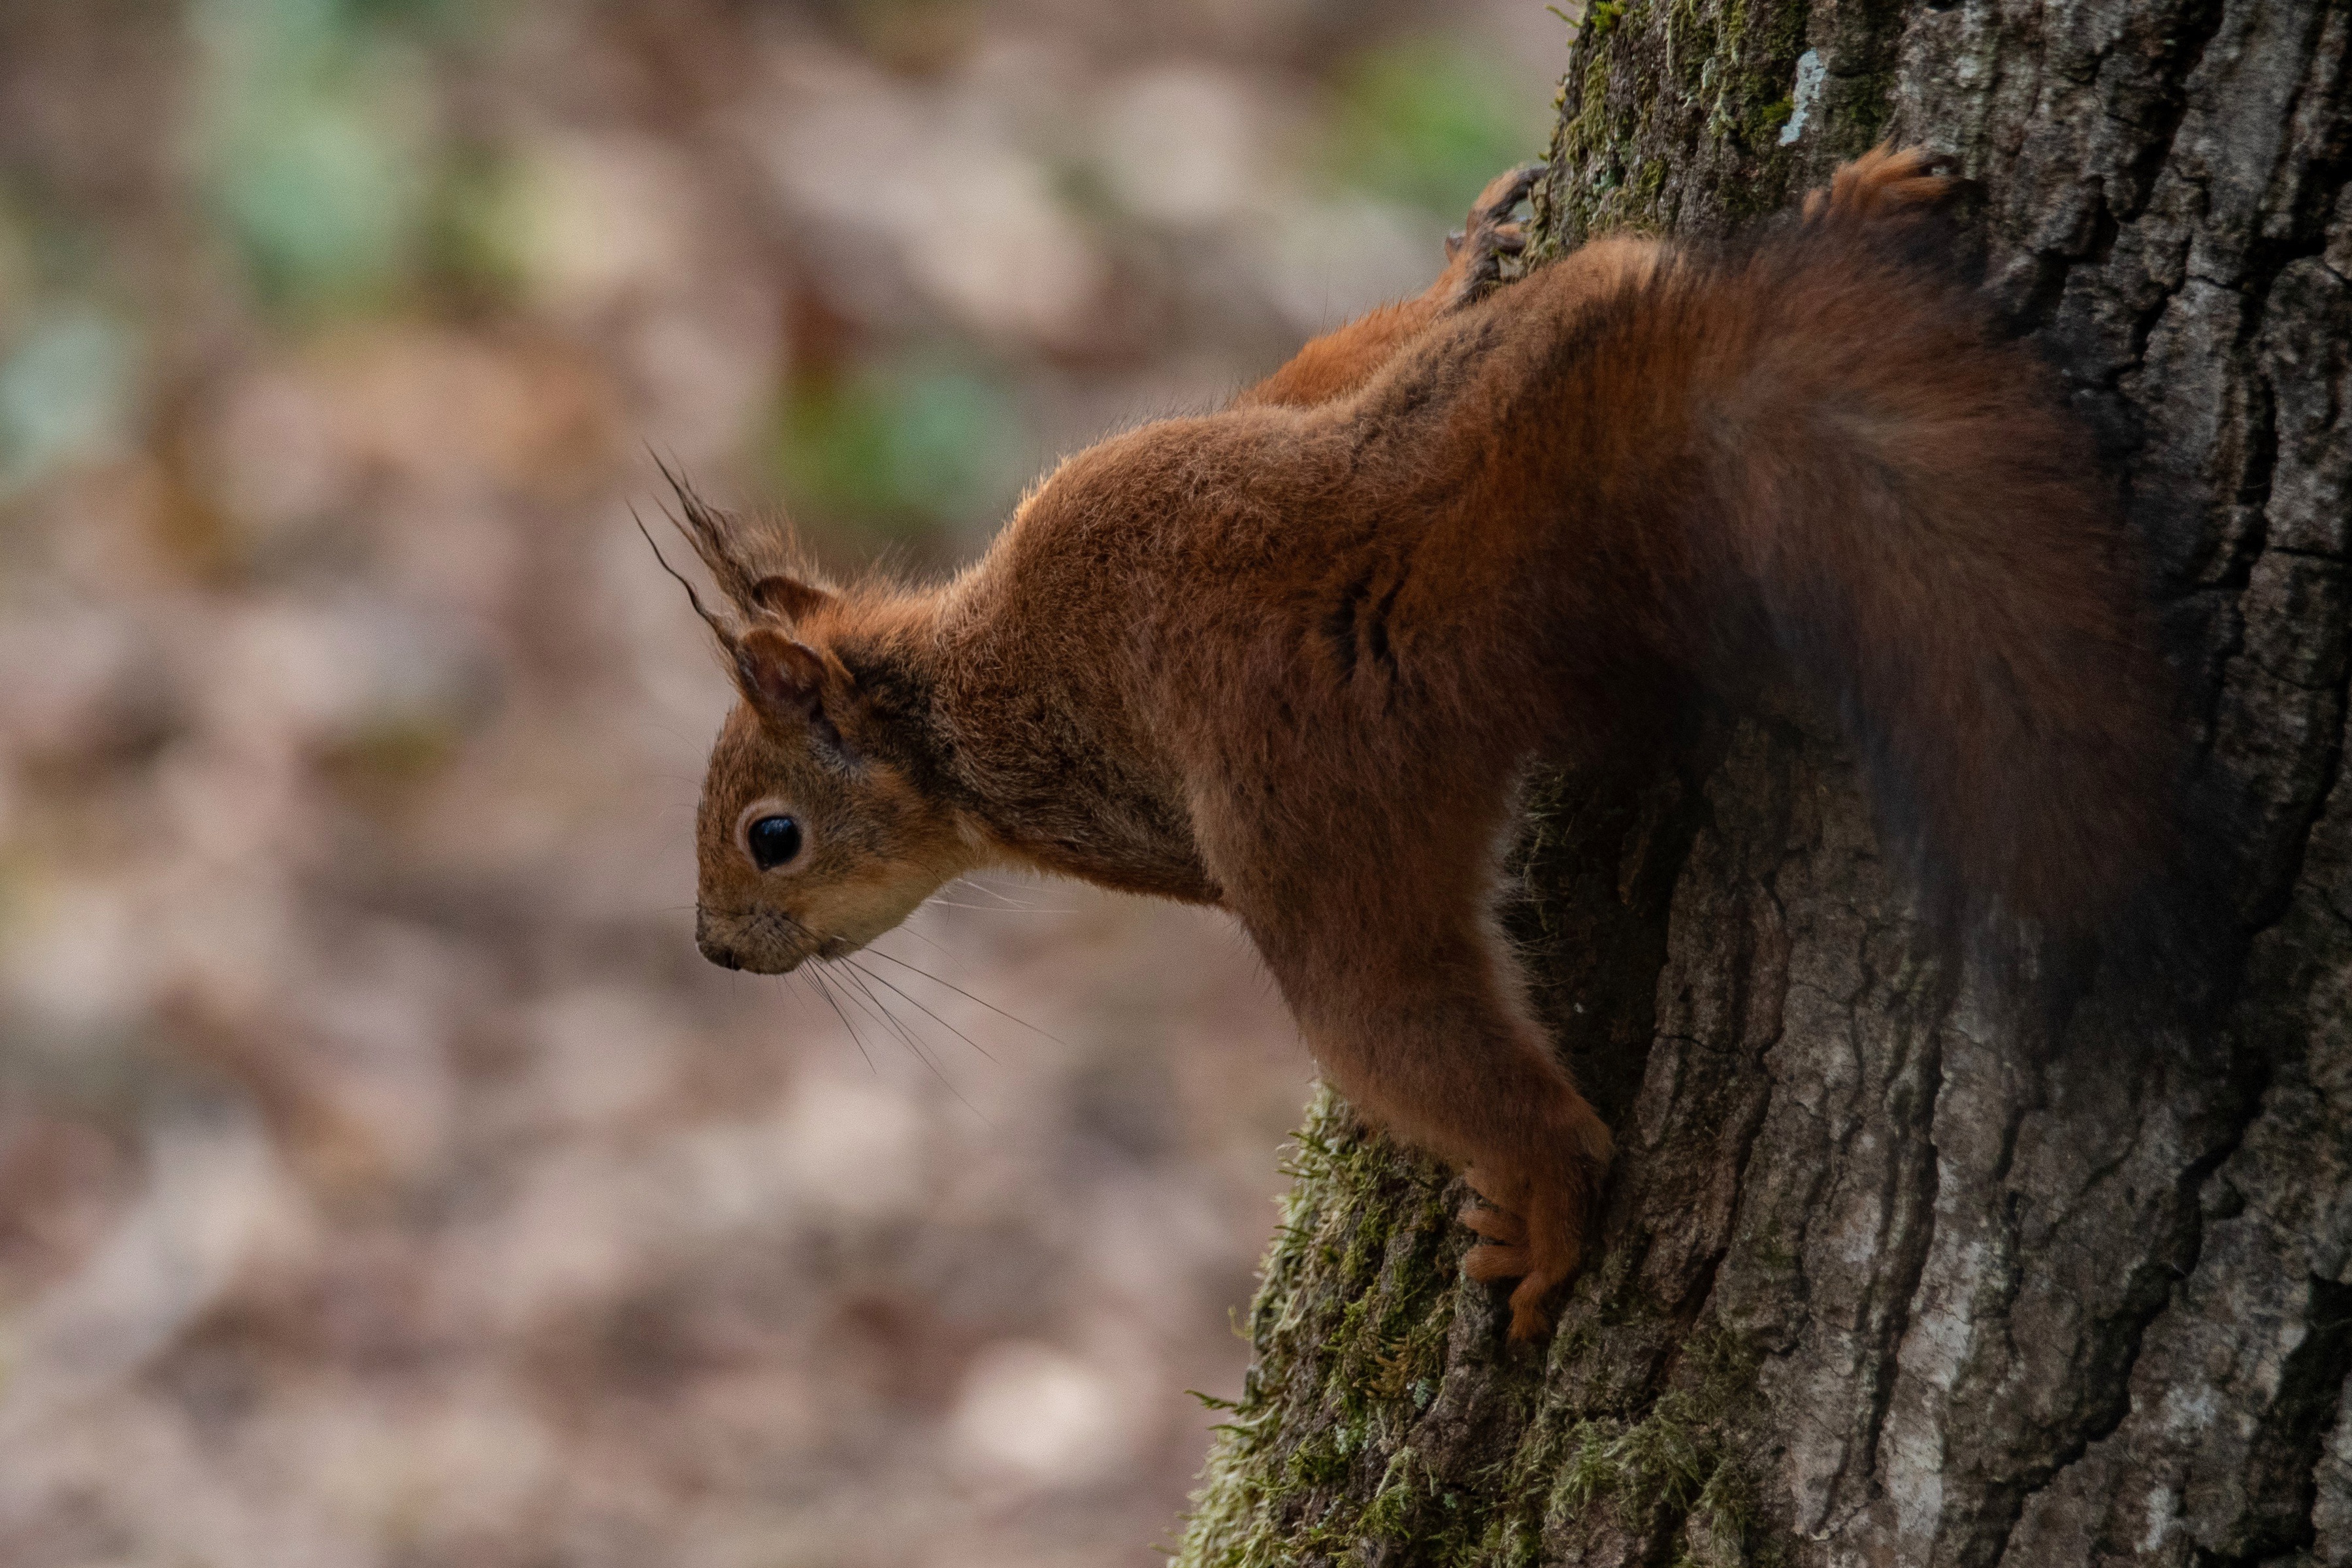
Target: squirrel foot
{"type": "Point", "coordinates": [1501, 1252]}
{"type": "Point", "coordinates": [1474, 252]}
{"type": "Point", "coordinates": [1886, 181]}
{"type": "Point", "coordinates": [1531, 1230]}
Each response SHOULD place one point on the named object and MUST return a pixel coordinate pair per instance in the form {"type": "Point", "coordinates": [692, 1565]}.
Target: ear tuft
{"type": "Point", "coordinates": [788, 596]}
{"type": "Point", "coordinates": [752, 560]}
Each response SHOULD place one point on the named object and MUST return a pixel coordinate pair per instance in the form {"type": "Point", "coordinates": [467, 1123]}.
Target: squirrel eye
{"type": "Point", "coordinates": [773, 841]}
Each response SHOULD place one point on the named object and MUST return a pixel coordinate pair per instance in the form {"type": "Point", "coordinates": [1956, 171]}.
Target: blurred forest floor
{"type": "Point", "coordinates": [383, 1179]}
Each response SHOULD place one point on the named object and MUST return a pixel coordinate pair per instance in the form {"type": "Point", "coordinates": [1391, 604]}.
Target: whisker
{"type": "Point", "coordinates": [997, 893]}
{"type": "Point", "coordinates": [923, 1057]}
{"type": "Point", "coordinates": [926, 941]}
{"type": "Point", "coordinates": [890, 1021]}
{"type": "Point", "coordinates": [927, 1013]}
{"type": "Point", "coordinates": [970, 997]}
{"type": "Point", "coordinates": [669, 842]}
{"type": "Point", "coordinates": [1008, 902]}
{"type": "Point", "coordinates": [827, 992]}
{"type": "Point", "coordinates": [885, 1013]}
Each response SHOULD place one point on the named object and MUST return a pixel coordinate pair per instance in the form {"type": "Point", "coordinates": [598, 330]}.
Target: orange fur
{"type": "Point", "coordinates": [1294, 657]}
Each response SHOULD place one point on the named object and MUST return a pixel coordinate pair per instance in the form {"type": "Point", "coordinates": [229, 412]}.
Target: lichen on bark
{"type": "Point", "coordinates": [1909, 1257]}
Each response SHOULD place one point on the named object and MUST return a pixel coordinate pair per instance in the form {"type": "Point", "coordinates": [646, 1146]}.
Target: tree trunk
{"type": "Point", "coordinates": [1904, 1264]}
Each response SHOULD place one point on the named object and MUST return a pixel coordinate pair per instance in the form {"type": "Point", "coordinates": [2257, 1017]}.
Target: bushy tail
{"type": "Point", "coordinates": [1929, 538]}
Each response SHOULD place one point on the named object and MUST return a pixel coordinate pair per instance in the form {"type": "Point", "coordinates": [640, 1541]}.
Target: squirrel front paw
{"type": "Point", "coordinates": [1474, 253]}
{"type": "Point", "coordinates": [1532, 1227]}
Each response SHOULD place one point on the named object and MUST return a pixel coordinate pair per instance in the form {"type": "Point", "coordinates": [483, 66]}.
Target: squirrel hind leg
{"type": "Point", "coordinates": [1415, 1010]}
{"type": "Point", "coordinates": [1887, 181]}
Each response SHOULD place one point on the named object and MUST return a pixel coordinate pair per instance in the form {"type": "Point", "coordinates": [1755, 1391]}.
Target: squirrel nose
{"type": "Point", "coordinates": [718, 951]}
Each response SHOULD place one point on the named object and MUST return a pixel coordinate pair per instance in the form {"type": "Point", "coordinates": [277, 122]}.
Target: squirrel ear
{"type": "Point", "coordinates": [782, 678]}
{"type": "Point", "coordinates": [788, 596]}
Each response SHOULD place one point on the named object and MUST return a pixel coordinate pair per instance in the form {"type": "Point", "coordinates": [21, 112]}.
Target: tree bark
{"type": "Point", "coordinates": [1905, 1263]}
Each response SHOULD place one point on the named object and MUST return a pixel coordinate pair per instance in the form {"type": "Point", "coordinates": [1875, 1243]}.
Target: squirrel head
{"type": "Point", "coordinates": [811, 837]}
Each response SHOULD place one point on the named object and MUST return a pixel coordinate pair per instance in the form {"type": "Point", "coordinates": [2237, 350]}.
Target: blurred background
{"type": "Point", "coordinates": [383, 1179]}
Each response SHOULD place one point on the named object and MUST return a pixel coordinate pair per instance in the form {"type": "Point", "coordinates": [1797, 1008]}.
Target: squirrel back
{"type": "Point", "coordinates": [1820, 453]}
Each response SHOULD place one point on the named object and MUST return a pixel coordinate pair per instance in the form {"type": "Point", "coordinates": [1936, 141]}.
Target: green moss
{"type": "Point", "coordinates": [1764, 122]}
{"type": "Point", "coordinates": [1699, 90]}
{"type": "Point", "coordinates": [1661, 1459]}
{"type": "Point", "coordinates": [1720, 1529]}
{"type": "Point", "coordinates": [1628, 1415]}
{"type": "Point", "coordinates": [1349, 1323]}
{"type": "Point", "coordinates": [1317, 1463]}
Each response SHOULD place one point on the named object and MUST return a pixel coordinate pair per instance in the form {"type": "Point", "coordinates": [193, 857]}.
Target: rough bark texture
{"type": "Point", "coordinates": [1907, 1262]}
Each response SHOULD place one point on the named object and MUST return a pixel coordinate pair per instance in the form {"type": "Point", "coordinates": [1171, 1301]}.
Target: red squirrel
{"type": "Point", "coordinates": [1294, 658]}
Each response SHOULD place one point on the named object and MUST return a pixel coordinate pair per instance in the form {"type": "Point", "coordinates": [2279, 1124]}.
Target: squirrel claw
{"type": "Point", "coordinates": [1474, 253]}
{"type": "Point", "coordinates": [1505, 191]}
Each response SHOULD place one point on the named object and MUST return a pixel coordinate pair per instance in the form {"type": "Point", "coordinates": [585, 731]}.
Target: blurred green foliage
{"type": "Point", "coordinates": [66, 387]}
{"type": "Point", "coordinates": [475, 223]}
{"type": "Point", "coordinates": [327, 165]}
{"type": "Point", "coordinates": [1428, 122]}
{"type": "Point", "coordinates": [324, 164]}
{"type": "Point", "coordinates": [902, 444]}
{"type": "Point", "coordinates": [69, 354]}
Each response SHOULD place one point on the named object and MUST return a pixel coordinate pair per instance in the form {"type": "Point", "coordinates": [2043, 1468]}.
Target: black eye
{"type": "Point", "coordinates": [774, 840]}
